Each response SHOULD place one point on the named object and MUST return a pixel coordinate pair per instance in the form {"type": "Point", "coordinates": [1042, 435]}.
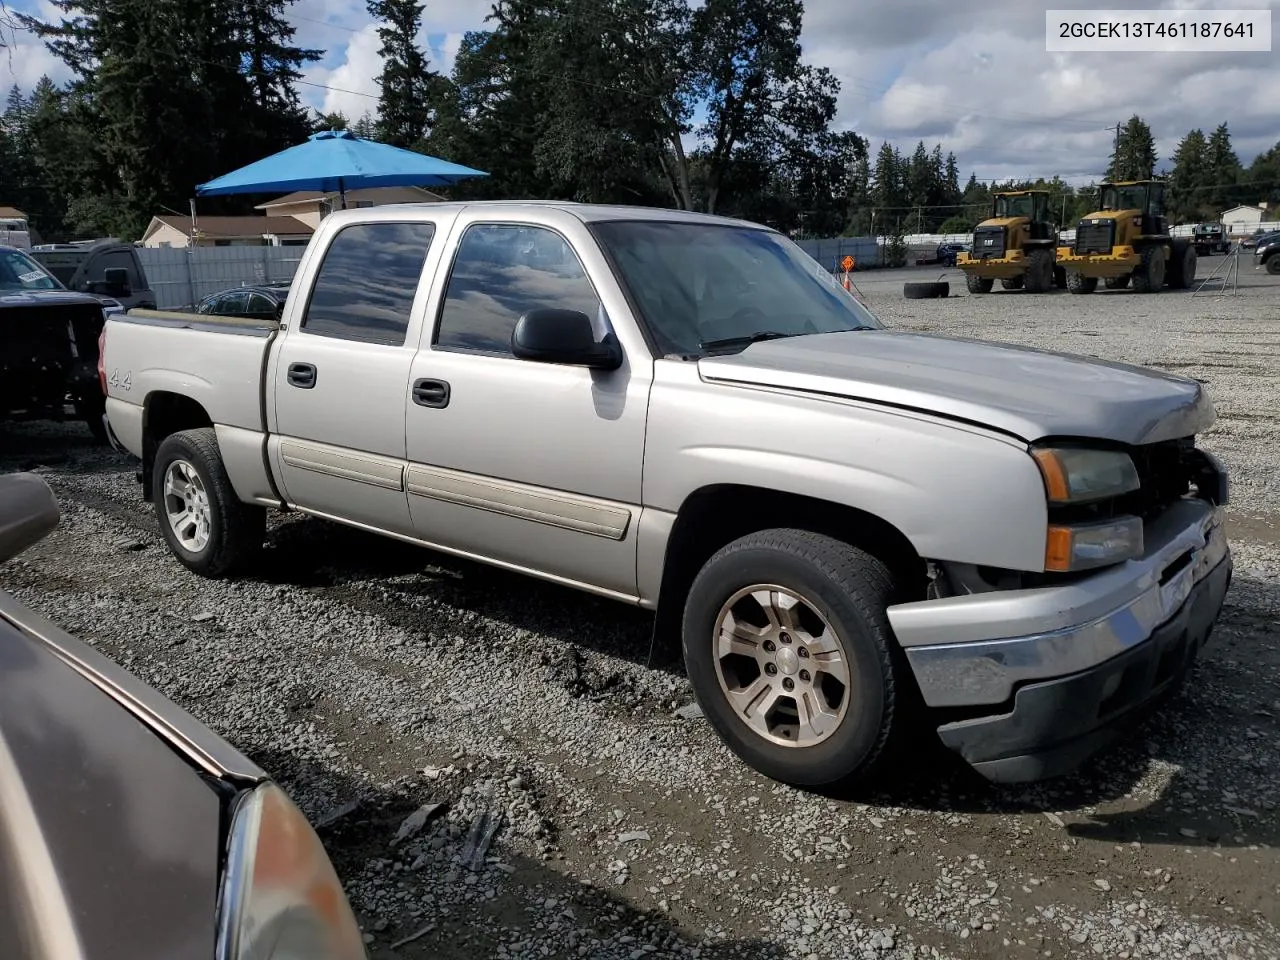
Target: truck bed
{"type": "Point", "coordinates": [218, 362]}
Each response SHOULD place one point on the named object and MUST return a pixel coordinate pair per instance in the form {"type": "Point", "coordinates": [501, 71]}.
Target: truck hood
{"type": "Point", "coordinates": [1030, 394]}
{"type": "Point", "coordinates": [35, 298]}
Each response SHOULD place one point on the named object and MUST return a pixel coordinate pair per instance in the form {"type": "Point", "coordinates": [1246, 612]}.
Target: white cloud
{"type": "Point", "coordinates": [352, 85]}
{"type": "Point", "coordinates": [985, 87]}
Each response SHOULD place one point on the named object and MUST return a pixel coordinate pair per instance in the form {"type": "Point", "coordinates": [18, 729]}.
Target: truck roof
{"type": "Point", "coordinates": [586, 212]}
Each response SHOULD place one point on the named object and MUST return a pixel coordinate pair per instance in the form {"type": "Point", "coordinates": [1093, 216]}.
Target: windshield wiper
{"type": "Point", "coordinates": [745, 340]}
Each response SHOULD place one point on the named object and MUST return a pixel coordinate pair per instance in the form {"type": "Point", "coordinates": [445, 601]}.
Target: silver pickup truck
{"type": "Point", "coordinates": [852, 528]}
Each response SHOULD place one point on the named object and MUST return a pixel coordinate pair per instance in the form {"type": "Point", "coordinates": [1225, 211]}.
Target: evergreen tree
{"type": "Point", "coordinates": [408, 86]}
{"type": "Point", "coordinates": [1134, 157]}
{"type": "Point", "coordinates": [1223, 169]}
{"type": "Point", "coordinates": [1190, 175]}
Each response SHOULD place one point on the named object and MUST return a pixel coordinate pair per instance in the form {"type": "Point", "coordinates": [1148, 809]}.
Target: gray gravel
{"type": "Point", "coordinates": [374, 679]}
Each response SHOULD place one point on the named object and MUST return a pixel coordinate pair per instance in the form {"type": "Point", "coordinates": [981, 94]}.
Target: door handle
{"type": "Point", "coordinates": [431, 393]}
{"type": "Point", "coordinates": [302, 375]}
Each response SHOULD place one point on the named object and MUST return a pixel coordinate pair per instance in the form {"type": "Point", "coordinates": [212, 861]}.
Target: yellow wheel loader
{"type": "Point", "coordinates": [1127, 241]}
{"type": "Point", "coordinates": [1015, 245]}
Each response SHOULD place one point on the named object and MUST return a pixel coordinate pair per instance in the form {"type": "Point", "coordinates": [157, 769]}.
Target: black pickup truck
{"type": "Point", "coordinates": [50, 347]}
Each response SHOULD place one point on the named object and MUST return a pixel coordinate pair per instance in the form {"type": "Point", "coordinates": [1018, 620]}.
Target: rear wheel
{"type": "Point", "coordinates": [978, 284]}
{"type": "Point", "coordinates": [791, 656]}
{"type": "Point", "coordinates": [1182, 268]}
{"type": "Point", "coordinates": [91, 410]}
{"type": "Point", "coordinates": [1079, 283]}
{"type": "Point", "coordinates": [1039, 271]}
{"type": "Point", "coordinates": [1116, 283]}
{"type": "Point", "coordinates": [1148, 276]}
{"type": "Point", "coordinates": [202, 520]}
{"type": "Point", "coordinates": [1013, 283]}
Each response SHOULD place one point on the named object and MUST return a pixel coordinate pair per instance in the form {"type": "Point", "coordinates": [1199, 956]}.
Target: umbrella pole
{"type": "Point", "coordinates": [342, 192]}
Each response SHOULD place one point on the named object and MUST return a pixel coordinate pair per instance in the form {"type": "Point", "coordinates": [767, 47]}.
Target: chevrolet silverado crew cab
{"type": "Point", "coordinates": [851, 527]}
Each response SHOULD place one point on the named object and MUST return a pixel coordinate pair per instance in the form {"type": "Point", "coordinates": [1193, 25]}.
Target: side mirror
{"type": "Point", "coordinates": [117, 279]}
{"type": "Point", "coordinates": [28, 513]}
{"type": "Point", "coordinates": [563, 336]}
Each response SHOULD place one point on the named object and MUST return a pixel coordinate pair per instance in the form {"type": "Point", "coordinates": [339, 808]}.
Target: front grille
{"type": "Point", "coordinates": [44, 345]}
{"type": "Point", "coordinates": [1165, 470]}
{"type": "Point", "coordinates": [988, 242]}
{"type": "Point", "coordinates": [1095, 236]}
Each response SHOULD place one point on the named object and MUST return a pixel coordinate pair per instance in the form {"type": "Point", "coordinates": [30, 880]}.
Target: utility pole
{"type": "Point", "coordinates": [1115, 154]}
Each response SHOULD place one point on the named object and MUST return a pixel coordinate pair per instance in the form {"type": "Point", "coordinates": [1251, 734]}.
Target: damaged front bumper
{"type": "Point", "coordinates": [1061, 668]}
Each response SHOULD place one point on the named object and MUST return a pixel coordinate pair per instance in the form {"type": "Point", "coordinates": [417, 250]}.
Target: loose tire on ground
{"type": "Point", "coordinates": [217, 533]}
{"type": "Point", "coordinates": [1148, 276]}
{"type": "Point", "coordinates": [978, 284]}
{"type": "Point", "coordinates": [842, 593]}
{"type": "Point", "coordinates": [1116, 283]}
{"type": "Point", "coordinates": [926, 291]}
{"type": "Point", "coordinates": [1039, 277]}
{"type": "Point", "coordinates": [1182, 268]}
{"type": "Point", "coordinates": [1013, 283]}
{"type": "Point", "coordinates": [1079, 283]}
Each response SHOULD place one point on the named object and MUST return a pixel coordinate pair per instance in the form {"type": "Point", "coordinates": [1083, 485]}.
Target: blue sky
{"type": "Point", "coordinates": [984, 86]}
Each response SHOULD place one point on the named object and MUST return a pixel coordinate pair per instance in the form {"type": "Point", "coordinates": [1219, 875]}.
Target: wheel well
{"type": "Point", "coordinates": [716, 515]}
{"type": "Point", "coordinates": [163, 415]}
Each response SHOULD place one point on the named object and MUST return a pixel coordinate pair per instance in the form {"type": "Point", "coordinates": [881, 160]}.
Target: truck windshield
{"type": "Point", "coordinates": [1124, 198]}
{"type": "Point", "coordinates": [706, 287]}
{"type": "Point", "coordinates": [1013, 206]}
{"type": "Point", "coordinates": [20, 272]}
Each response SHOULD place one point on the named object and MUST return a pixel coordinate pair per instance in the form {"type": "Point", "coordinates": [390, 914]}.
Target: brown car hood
{"type": "Point", "coordinates": [110, 832]}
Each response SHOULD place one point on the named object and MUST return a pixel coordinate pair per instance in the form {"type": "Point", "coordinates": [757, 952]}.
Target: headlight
{"type": "Point", "coordinates": [280, 898]}
{"type": "Point", "coordinates": [1082, 476]}
{"type": "Point", "coordinates": [1083, 546]}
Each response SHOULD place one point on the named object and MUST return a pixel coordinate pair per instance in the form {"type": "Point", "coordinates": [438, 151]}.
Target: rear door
{"type": "Point", "coordinates": [340, 379]}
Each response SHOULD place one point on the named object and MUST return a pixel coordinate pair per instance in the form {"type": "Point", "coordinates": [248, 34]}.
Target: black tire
{"type": "Point", "coordinates": [926, 291]}
{"type": "Point", "coordinates": [1013, 283]}
{"type": "Point", "coordinates": [1182, 268]}
{"type": "Point", "coordinates": [1273, 264]}
{"type": "Point", "coordinates": [1148, 276]}
{"type": "Point", "coordinates": [976, 284]}
{"type": "Point", "coordinates": [1116, 283]}
{"type": "Point", "coordinates": [850, 589]}
{"type": "Point", "coordinates": [1079, 283]}
{"type": "Point", "coordinates": [236, 530]}
{"type": "Point", "coordinates": [1039, 278]}
{"type": "Point", "coordinates": [90, 410]}
{"type": "Point", "coordinates": [1059, 277]}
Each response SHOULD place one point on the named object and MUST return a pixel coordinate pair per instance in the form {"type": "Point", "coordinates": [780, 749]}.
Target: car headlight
{"type": "Point", "coordinates": [280, 897]}
{"type": "Point", "coordinates": [1073, 476]}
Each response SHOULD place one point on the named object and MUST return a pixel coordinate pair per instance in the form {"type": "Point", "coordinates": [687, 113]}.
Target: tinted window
{"type": "Point", "coordinates": [232, 304]}
{"type": "Point", "coordinates": [366, 283]}
{"type": "Point", "coordinates": [502, 271]}
{"type": "Point", "coordinates": [260, 306]}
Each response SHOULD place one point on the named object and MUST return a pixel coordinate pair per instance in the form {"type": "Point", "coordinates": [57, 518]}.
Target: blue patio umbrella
{"type": "Point", "coordinates": [337, 160]}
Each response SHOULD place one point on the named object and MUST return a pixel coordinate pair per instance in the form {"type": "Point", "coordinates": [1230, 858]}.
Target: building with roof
{"type": "Point", "coordinates": [247, 231]}
{"type": "Point", "coordinates": [311, 206]}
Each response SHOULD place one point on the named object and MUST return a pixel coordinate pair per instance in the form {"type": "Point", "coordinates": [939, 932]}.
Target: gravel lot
{"type": "Point", "coordinates": [373, 678]}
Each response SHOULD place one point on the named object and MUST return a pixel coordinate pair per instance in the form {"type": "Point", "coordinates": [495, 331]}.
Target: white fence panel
{"type": "Point", "coordinates": [183, 277]}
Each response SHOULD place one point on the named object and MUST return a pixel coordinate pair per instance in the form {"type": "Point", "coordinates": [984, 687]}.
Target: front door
{"type": "Point", "coordinates": [340, 379]}
{"type": "Point", "coordinates": [534, 465]}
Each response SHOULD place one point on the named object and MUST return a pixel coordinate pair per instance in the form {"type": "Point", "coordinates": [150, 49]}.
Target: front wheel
{"type": "Point", "coordinates": [791, 657]}
{"type": "Point", "coordinates": [976, 284]}
{"type": "Point", "coordinates": [1273, 265]}
{"type": "Point", "coordinates": [202, 520]}
{"type": "Point", "coordinates": [1079, 283]}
